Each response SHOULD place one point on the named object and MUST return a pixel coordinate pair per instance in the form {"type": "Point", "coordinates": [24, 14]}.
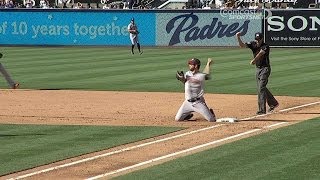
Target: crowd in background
{"type": "Point", "coordinates": [139, 4]}
{"type": "Point", "coordinates": [233, 4]}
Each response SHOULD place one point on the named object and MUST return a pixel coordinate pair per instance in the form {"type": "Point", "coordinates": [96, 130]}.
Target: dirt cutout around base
{"type": "Point", "coordinates": [64, 107]}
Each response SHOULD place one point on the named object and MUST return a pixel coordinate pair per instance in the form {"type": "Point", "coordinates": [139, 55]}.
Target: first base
{"type": "Point", "coordinates": [227, 119]}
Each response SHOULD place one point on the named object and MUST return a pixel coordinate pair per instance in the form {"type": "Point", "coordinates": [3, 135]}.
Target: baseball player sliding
{"type": "Point", "coordinates": [133, 30]}
{"type": "Point", "coordinates": [6, 75]}
{"type": "Point", "coordinates": [194, 91]}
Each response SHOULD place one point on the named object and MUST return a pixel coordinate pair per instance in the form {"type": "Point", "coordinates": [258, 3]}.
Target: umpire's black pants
{"type": "Point", "coordinates": [264, 95]}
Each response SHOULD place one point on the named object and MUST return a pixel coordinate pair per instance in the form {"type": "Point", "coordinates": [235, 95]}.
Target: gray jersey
{"type": "Point", "coordinates": [194, 100]}
{"type": "Point", "coordinates": [133, 36]}
{"type": "Point", "coordinates": [194, 85]}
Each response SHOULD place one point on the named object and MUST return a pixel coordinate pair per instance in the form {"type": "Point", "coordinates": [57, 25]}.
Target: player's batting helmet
{"type": "Point", "coordinates": [194, 61]}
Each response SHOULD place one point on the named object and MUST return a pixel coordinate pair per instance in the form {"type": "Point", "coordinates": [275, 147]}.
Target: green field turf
{"type": "Point", "coordinates": [287, 153]}
{"type": "Point", "coordinates": [295, 72]}
{"type": "Point", "coordinates": [27, 146]}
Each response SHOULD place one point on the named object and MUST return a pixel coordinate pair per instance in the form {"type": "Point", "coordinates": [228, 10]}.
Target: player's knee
{"type": "Point", "coordinates": [213, 119]}
{"type": "Point", "coordinates": [178, 118]}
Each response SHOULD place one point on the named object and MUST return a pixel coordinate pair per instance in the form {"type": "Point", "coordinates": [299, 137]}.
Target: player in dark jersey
{"type": "Point", "coordinates": [261, 59]}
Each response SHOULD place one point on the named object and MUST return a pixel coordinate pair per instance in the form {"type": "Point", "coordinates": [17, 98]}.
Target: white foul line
{"type": "Point", "coordinates": [115, 152]}
{"type": "Point", "coordinates": [283, 110]}
{"type": "Point", "coordinates": [149, 143]}
{"type": "Point", "coordinates": [180, 152]}
{"type": "Point", "coordinates": [297, 107]}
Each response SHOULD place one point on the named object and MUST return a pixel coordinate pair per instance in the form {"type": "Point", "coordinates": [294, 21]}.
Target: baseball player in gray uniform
{"type": "Point", "coordinates": [194, 91]}
{"type": "Point", "coordinates": [133, 30]}
{"type": "Point", "coordinates": [6, 75]}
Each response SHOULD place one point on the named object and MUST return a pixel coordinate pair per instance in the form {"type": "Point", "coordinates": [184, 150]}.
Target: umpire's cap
{"type": "Point", "coordinates": [194, 61]}
{"type": "Point", "coordinates": [258, 36]}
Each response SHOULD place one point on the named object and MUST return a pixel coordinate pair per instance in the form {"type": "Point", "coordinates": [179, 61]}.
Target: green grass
{"type": "Point", "coordinates": [287, 153]}
{"type": "Point", "coordinates": [295, 72]}
{"type": "Point", "coordinates": [27, 146]}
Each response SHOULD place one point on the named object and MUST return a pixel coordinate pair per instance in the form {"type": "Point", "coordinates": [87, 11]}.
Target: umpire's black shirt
{"type": "Point", "coordinates": [264, 61]}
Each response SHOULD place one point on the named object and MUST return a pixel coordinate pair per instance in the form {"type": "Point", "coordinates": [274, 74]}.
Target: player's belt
{"type": "Point", "coordinates": [262, 66]}
{"type": "Point", "coordinates": [193, 99]}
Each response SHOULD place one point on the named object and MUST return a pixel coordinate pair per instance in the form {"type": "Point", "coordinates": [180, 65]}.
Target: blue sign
{"type": "Point", "coordinates": [99, 27]}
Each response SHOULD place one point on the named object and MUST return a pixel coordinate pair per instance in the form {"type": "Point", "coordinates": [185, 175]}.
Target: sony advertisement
{"type": "Point", "coordinates": [292, 28]}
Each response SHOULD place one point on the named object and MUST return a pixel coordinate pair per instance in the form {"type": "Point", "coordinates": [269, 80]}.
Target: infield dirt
{"type": "Point", "coordinates": [66, 107]}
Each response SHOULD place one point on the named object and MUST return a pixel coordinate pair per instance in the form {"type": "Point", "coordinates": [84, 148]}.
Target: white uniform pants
{"type": "Point", "coordinates": [199, 106]}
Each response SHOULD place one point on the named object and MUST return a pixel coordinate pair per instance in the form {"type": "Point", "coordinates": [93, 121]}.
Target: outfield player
{"type": "Point", "coordinates": [194, 91]}
{"type": "Point", "coordinates": [12, 84]}
{"type": "Point", "coordinates": [133, 30]}
{"type": "Point", "coordinates": [260, 52]}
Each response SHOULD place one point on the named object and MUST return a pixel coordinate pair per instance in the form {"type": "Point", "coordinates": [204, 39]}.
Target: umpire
{"type": "Point", "coordinates": [260, 52]}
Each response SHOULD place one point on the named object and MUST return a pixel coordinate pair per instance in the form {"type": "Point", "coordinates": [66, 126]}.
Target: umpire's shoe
{"type": "Point", "coordinates": [272, 107]}
{"type": "Point", "coordinates": [15, 86]}
{"type": "Point", "coordinates": [260, 113]}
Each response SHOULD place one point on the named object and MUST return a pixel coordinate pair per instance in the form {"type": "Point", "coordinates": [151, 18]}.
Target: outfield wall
{"type": "Point", "coordinates": [74, 27]}
{"type": "Point", "coordinates": [109, 27]}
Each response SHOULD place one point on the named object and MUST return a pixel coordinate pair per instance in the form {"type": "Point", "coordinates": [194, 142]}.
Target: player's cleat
{"type": "Point", "coordinates": [140, 52]}
{"type": "Point", "coordinates": [132, 52]}
{"type": "Point", "coordinates": [272, 107]}
{"type": "Point", "coordinates": [188, 117]}
{"type": "Point", "coordinates": [211, 110]}
{"type": "Point", "coordinates": [15, 86]}
{"type": "Point", "coordinates": [260, 112]}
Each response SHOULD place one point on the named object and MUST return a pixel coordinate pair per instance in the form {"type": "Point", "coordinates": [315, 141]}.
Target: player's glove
{"type": "Point", "coordinates": [180, 76]}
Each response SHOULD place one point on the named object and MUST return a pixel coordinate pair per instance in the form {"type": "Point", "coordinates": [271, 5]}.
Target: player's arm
{"type": "Point", "coordinates": [131, 30]}
{"type": "Point", "coordinates": [181, 76]}
{"type": "Point", "coordinates": [258, 57]}
{"type": "Point", "coordinates": [241, 44]}
{"type": "Point", "coordinates": [207, 68]}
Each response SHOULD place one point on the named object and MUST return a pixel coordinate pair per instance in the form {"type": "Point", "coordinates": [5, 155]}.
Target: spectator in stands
{"type": "Point", "coordinates": [89, 5]}
{"type": "Point", "coordinates": [79, 6]}
{"type": "Point", "coordinates": [2, 4]}
{"type": "Point", "coordinates": [30, 3]}
{"type": "Point", "coordinates": [64, 2]}
{"type": "Point", "coordinates": [230, 4]}
{"type": "Point", "coordinates": [219, 3]}
{"type": "Point", "coordinates": [131, 3]}
{"type": "Point", "coordinates": [44, 4]}
{"type": "Point", "coordinates": [276, 5]}
{"type": "Point", "coordinates": [9, 4]}
{"type": "Point", "coordinates": [254, 6]}
{"type": "Point", "coordinates": [106, 6]}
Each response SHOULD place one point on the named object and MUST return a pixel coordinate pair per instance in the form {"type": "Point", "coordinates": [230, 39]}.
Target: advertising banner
{"type": "Point", "coordinates": [73, 27]}
{"type": "Point", "coordinates": [109, 27]}
{"type": "Point", "coordinates": [293, 28]}
{"type": "Point", "coordinates": [206, 28]}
